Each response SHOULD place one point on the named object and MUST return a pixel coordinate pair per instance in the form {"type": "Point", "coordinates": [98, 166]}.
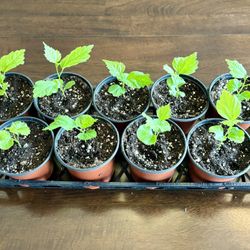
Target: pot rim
{"type": "Point", "coordinates": [32, 119]}
{"type": "Point", "coordinates": [195, 81]}
{"type": "Point", "coordinates": [66, 73]}
{"type": "Point", "coordinates": [199, 124]}
{"type": "Point", "coordinates": [147, 171]}
{"type": "Point", "coordinates": [58, 157]}
{"type": "Point", "coordinates": [107, 80]}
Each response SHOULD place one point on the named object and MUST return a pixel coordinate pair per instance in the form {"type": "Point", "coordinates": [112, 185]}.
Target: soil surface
{"type": "Point", "coordinates": [216, 93]}
{"type": "Point", "coordinates": [190, 106]}
{"type": "Point", "coordinates": [126, 107]}
{"type": "Point", "coordinates": [75, 101]}
{"type": "Point", "coordinates": [81, 154]}
{"type": "Point", "coordinates": [19, 97]}
{"type": "Point", "coordinates": [230, 159]}
{"type": "Point", "coordinates": [164, 154]}
{"type": "Point", "coordinates": [34, 151]}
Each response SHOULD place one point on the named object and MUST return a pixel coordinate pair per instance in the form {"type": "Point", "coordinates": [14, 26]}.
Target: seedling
{"type": "Point", "coordinates": [133, 80]}
{"type": "Point", "coordinates": [148, 133]}
{"type": "Point", "coordinates": [181, 65]}
{"type": "Point", "coordinates": [48, 87]}
{"type": "Point", "coordinates": [82, 123]}
{"type": "Point", "coordinates": [9, 136]}
{"type": "Point", "coordinates": [229, 107]}
{"type": "Point", "coordinates": [7, 63]}
{"type": "Point", "coordinates": [238, 84]}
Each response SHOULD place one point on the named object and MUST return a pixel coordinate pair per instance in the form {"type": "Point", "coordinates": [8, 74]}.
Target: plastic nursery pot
{"type": "Point", "coordinates": [120, 124]}
{"type": "Point", "coordinates": [142, 174]}
{"type": "Point", "coordinates": [197, 172]}
{"type": "Point", "coordinates": [26, 110]}
{"type": "Point", "coordinates": [41, 172]}
{"type": "Point", "coordinates": [102, 172]}
{"type": "Point", "coordinates": [49, 118]}
{"type": "Point", "coordinates": [186, 123]}
{"type": "Point", "coordinates": [212, 109]}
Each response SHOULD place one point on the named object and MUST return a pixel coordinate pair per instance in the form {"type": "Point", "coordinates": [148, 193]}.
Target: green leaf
{"type": "Point", "coordinates": [236, 135]}
{"type": "Point", "coordinates": [115, 68]}
{"type": "Point", "coordinates": [228, 106]}
{"type": "Point", "coordinates": [174, 83]}
{"type": "Point", "coordinates": [244, 96]}
{"type": "Point", "coordinates": [12, 60]}
{"type": "Point", "coordinates": [164, 112]}
{"type": "Point", "coordinates": [231, 123]}
{"type": "Point", "coordinates": [6, 141]}
{"type": "Point", "coordinates": [186, 65]}
{"type": "Point", "coordinates": [77, 56]}
{"type": "Point", "coordinates": [85, 121]}
{"type": "Point", "coordinates": [2, 77]}
{"type": "Point", "coordinates": [237, 70]}
{"type": "Point", "coordinates": [116, 90]}
{"type": "Point", "coordinates": [145, 135]}
{"type": "Point", "coordinates": [69, 85]}
{"type": "Point", "coordinates": [62, 121]}
{"type": "Point", "coordinates": [160, 126]}
{"type": "Point", "coordinates": [137, 80]}
{"type": "Point", "coordinates": [4, 88]}
{"type": "Point", "coordinates": [233, 85]}
{"type": "Point", "coordinates": [88, 135]}
{"type": "Point", "coordinates": [51, 54]}
{"type": "Point", "coordinates": [19, 128]}
{"type": "Point", "coordinates": [218, 132]}
{"type": "Point", "coordinates": [168, 69]}
{"type": "Point", "coordinates": [46, 87]}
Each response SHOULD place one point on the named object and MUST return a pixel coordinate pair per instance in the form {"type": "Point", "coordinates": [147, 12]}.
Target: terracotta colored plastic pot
{"type": "Point", "coordinates": [26, 111]}
{"type": "Point", "coordinates": [185, 124]}
{"type": "Point", "coordinates": [45, 169]}
{"type": "Point", "coordinates": [120, 124]}
{"type": "Point", "coordinates": [199, 174]}
{"type": "Point", "coordinates": [102, 172]}
{"type": "Point", "coordinates": [212, 113]}
{"type": "Point", "coordinates": [48, 118]}
{"type": "Point", "coordinates": [141, 174]}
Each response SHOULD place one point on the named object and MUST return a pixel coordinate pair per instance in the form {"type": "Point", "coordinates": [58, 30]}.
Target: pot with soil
{"type": "Point", "coordinates": [122, 97]}
{"type": "Point", "coordinates": [86, 146]}
{"type": "Point", "coordinates": [153, 147]}
{"type": "Point", "coordinates": [25, 149]}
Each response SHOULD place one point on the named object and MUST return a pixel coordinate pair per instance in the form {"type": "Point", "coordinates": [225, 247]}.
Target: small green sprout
{"type": "Point", "coordinates": [148, 133]}
{"type": "Point", "coordinates": [10, 135]}
{"type": "Point", "coordinates": [181, 65]}
{"type": "Point", "coordinates": [238, 84]}
{"type": "Point", "coordinates": [7, 63]}
{"type": "Point", "coordinates": [229, 107]}
{"type": "Point", "coordinates": [133, 80]}
{"type": "Point", "coordinates": [48, 87]}
{"type": "Point", "coordinates": [82, 123]}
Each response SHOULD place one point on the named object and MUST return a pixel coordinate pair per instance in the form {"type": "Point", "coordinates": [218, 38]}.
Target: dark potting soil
{"type": "Point", "coordinates": [19, 97]}
{"type": "Point", "coordinates": [75, 101]}
{"type": "Point", "coordinates": [125, 107]}
{"type": "Point", "coordinates": [192, 105]}
{"type": "Point", "coordinates": [81, 154]}
{"type": "Point", "coordinates": [34, 150]}
{"type": "Point", "coordinates": [216, 93]}
{"type": "Point", "coordinates": [229, 159]}
{"type": "Point", "coordinates": [164, 154]}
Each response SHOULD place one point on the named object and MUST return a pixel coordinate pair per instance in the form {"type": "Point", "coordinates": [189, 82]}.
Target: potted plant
{"type": "Point", "coordinates": [122, 96]}
{"type": "Point", "coordinates": [153, 146]}
{"type": "Point", "coordinates": [236, 82]}
{"type": "Point", "coordinates": [25, 149]}
{"type": "Point", "coordinates": [218, 149]}
{"type": "Point", "coordinates": [86, 146]}
{"type": "Point", "coordinates": [186, 95]}
{"type": "Point", "coordinates": [63, 92]}
{"type": "Point", "coordinates": [15, 88]}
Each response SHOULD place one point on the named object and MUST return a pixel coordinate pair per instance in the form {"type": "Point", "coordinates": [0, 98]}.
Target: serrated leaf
{"type": "Point", "coordinates": [233, 85]}
{"type": "Point", "coordinates": [164, 112]}
{"type": "Point", "coordinates": [244, 96]}
{"type": "Point", "coordinates": [137, 80]}
{"type": "Point", "coordinates": [19, 128]}
{"type": "Point", "coordinates": [115, 68]}
{"type": "Point", "coordinates": [62, 121]}
{"type": "Point", "coordinates": [85, 121]}
{"type": "Point", "coordinates": [88, 135]}
{"type": "Point", "coordinates": [4, 88]}
{"type": "Point", "coordinates": [46, 87]}
{"type": "Point", "coordinates": [218, 132]}
{"type": "Point", "coordinates": [160, 126]}
{"type": "Point", "coordinates": [186, 65]}
{"type": "Point", "coordinates": [237, 70]}
{"type": "Point", "coordinates": [12, 60]}
{"type": "Point", "coordinates": [174, 83]}
{"type": "Point", "coordinates": [69, 85]}
{"type": "Point", "coordinates": [231, 123]}
{"type": "Point", "coordinates": [51, 54]}
{"type": "Point", "coordinates": [76, 56]}
{"type": "Point", "coordinates": [145, 135]}
{"type": "Point", "coordinates": [168, 69]}
{"type": "Point", "coordinates": [236, 135]}
{"type": "Point", "coordinates": [6, 141]}
{"type": "Point", "coordinates": [116, 90]}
